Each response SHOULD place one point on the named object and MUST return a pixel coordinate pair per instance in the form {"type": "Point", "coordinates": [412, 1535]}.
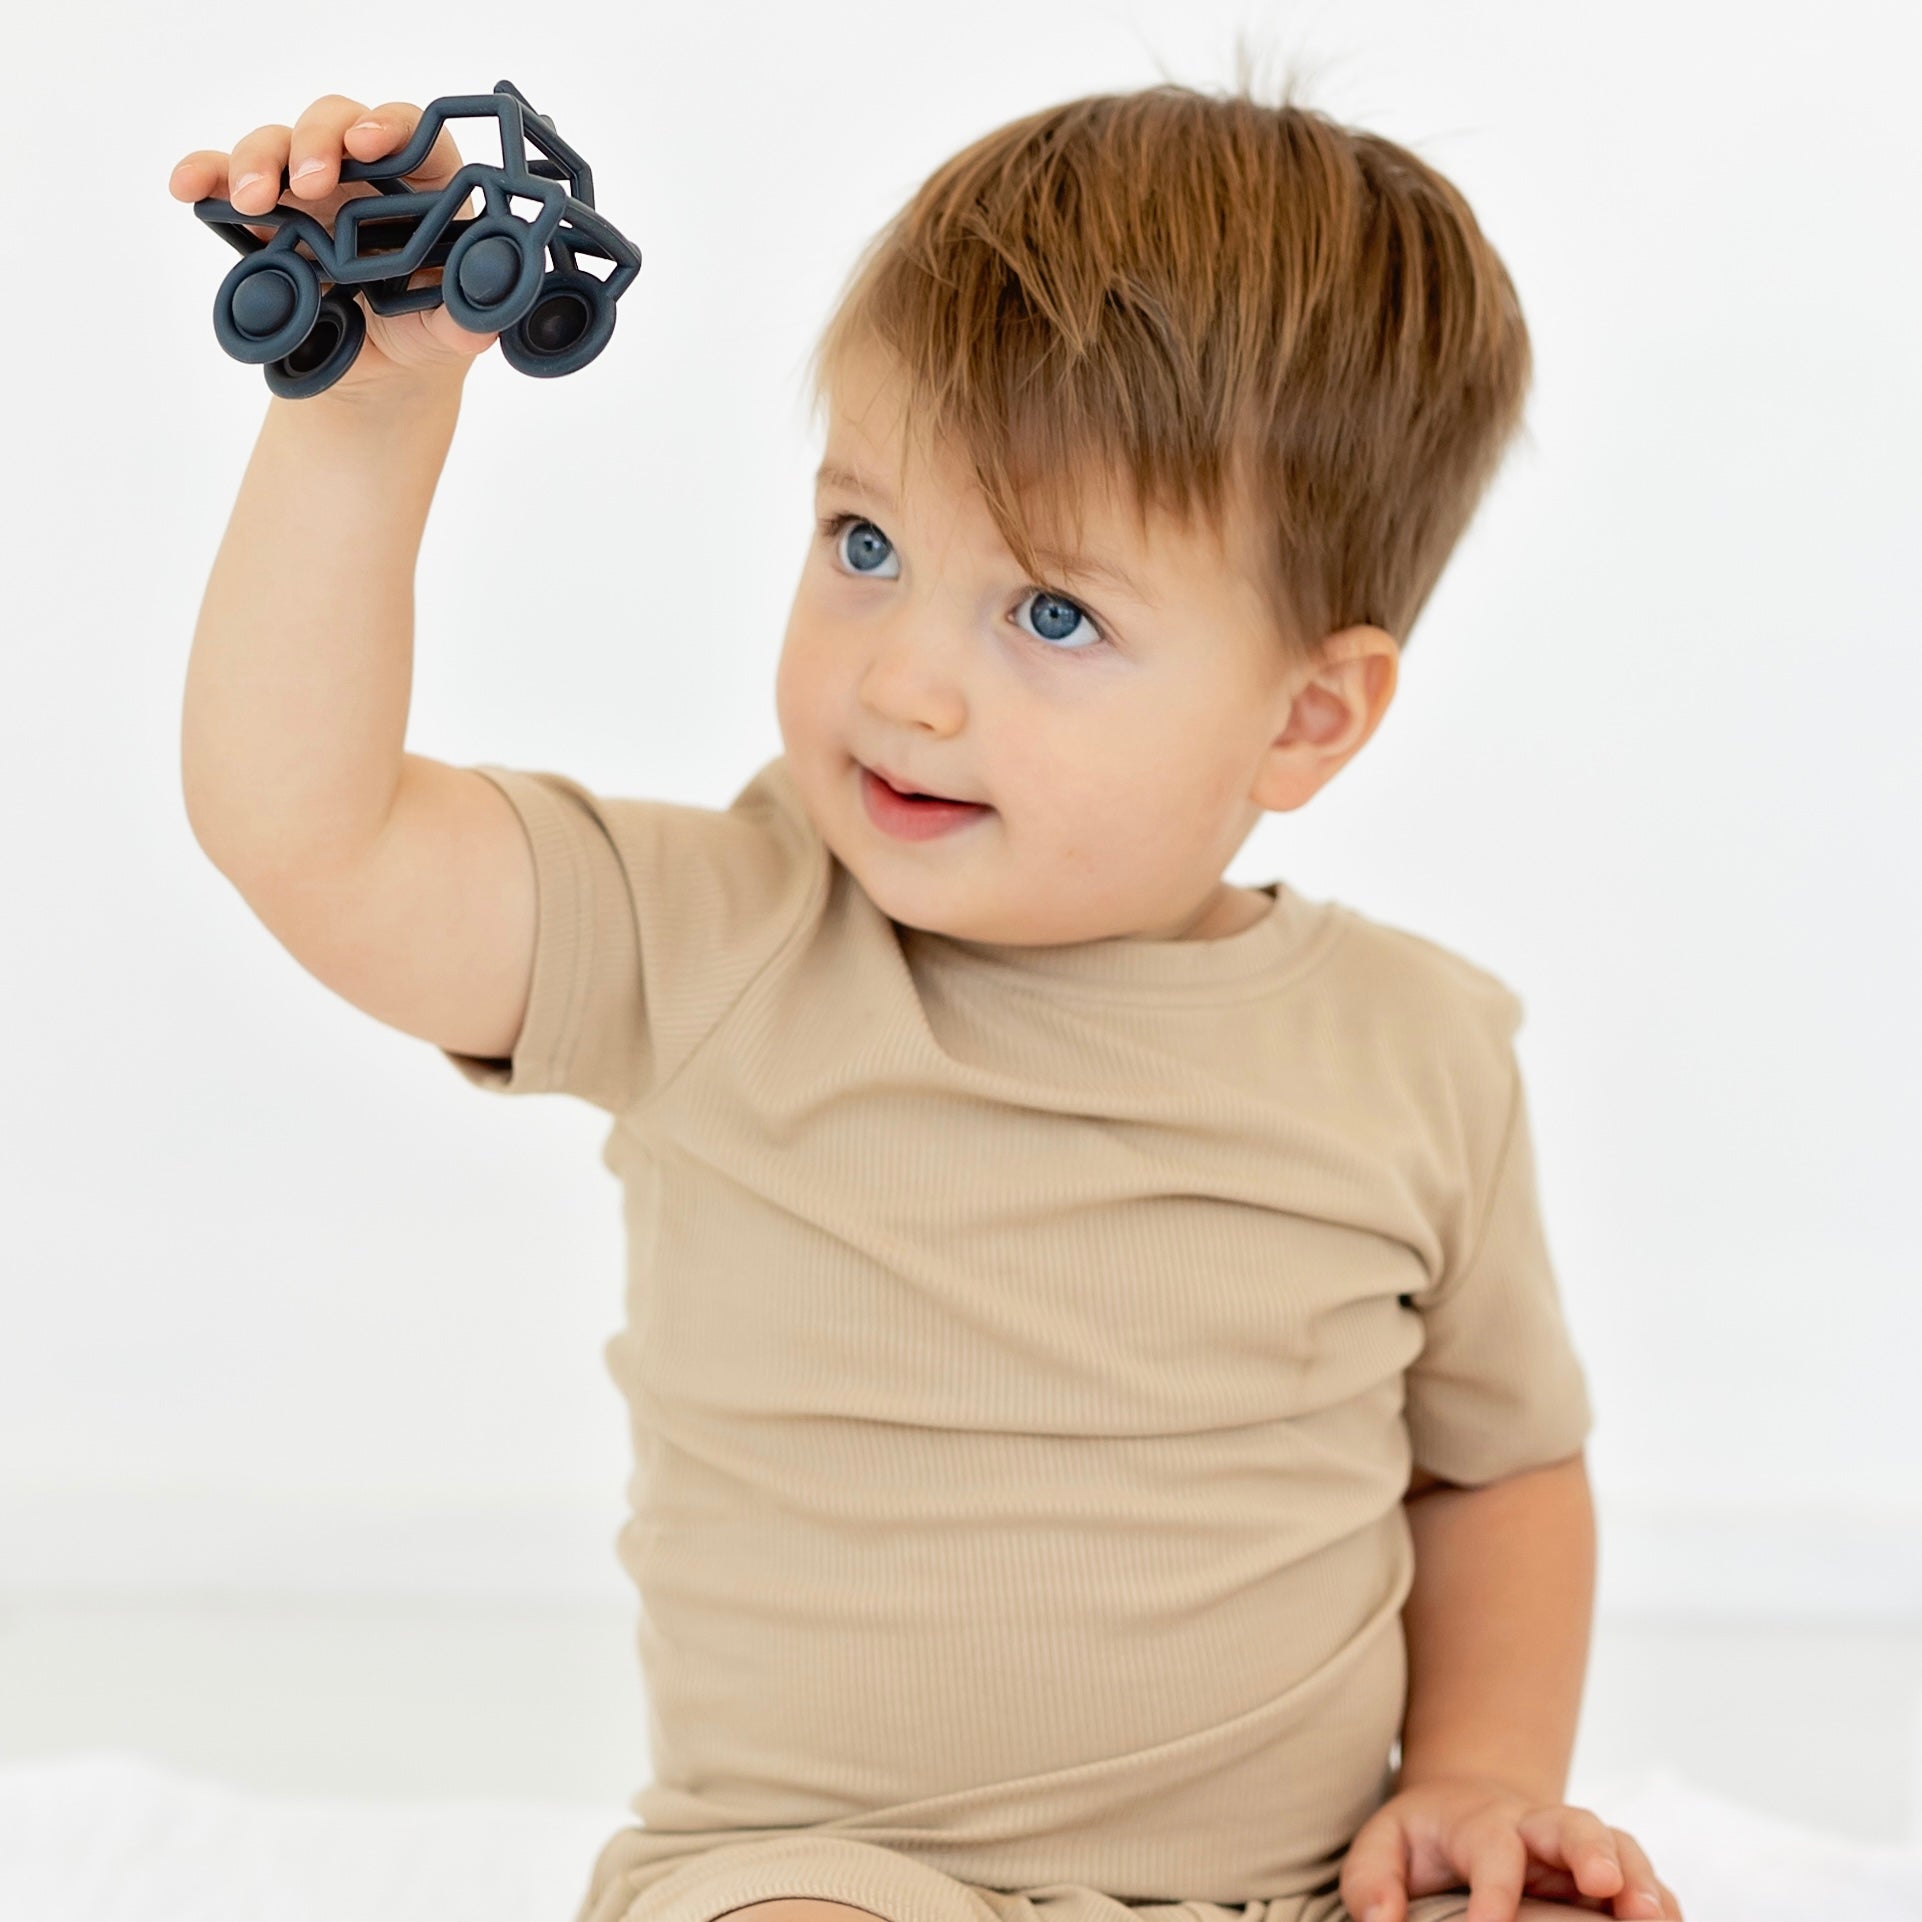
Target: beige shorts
{"type": "Point", "coordinates": [627, 1887]}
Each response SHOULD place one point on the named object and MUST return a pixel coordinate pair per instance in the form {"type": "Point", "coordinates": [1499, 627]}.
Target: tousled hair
{"type": "Point", "coordinates": [1226, 304]}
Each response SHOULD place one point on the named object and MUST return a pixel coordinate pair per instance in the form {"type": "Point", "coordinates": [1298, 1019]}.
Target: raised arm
{"type": "Point", "coordinates": [405, 885]}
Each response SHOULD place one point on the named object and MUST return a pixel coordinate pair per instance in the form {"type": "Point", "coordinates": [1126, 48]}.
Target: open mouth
{"type": "Point", "coordinates": [910, 815]}
{"type": "Point", "coordinates": [918, 794]}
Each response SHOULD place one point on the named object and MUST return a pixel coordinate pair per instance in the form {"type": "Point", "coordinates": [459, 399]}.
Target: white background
{"type": "Point", "coordinates": [287, 1304]}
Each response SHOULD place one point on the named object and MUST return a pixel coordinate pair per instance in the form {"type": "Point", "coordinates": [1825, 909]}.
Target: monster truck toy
{"type": "Point", "coordinates": [272, 311]}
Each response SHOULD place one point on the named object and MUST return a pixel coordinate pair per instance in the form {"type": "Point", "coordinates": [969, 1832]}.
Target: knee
{"type": "Point", "coordinates": [799, 1908]}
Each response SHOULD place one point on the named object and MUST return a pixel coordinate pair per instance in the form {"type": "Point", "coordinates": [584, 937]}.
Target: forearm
{"type": "Point", "coordinates": [1497, 1627]}
{"type": "Point", "coordinates": [298, 685]}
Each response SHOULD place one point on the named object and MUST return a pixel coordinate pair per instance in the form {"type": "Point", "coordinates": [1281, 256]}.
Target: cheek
{"type": "Point", "coordinates": [801, 676]}
{"type": "Point", "coordinates": [1201, 750]}
{"type": "Point", "coordinates": [1157, 791]}
{"type": "Point", "coordinates": [1071, 799]}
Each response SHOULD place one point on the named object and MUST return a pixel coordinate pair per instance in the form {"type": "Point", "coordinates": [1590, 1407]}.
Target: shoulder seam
{"type": "Point", "coordinates": [818, 883]}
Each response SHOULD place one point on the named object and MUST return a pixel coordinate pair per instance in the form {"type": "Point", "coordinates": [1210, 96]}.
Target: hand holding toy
{"type": "Point", "coordinates": [288, 304]}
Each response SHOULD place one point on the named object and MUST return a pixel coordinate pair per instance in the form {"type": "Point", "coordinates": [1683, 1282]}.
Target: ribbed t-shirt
{"type": "Point", "coordinates": [1027, 1348]}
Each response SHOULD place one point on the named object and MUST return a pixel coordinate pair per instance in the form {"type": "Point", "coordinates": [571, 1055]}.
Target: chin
{"type": "Point", "coordinates": [893, 903]}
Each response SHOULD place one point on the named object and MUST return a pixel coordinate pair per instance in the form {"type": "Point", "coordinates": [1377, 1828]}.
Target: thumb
{"type": "Point", "coordinates": [1374, 1885]}
{"type": "Point", "coordinates": [447, 332]}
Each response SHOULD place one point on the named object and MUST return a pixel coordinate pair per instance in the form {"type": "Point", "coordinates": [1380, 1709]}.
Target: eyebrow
{"type": "Point", "coordinates": [1085, 567]}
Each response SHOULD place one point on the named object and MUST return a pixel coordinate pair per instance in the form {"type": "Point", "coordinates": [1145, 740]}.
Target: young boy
{"type": "Point", "coordinates": [1097, 1376]}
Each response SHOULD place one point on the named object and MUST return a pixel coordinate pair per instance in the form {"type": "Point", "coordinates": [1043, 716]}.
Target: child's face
{"type": "Point", "coordinates": [1123, 742]}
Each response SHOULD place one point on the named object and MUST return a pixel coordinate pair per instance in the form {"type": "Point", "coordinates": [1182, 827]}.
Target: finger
{"type": "Point", "coordinates": [1496, 1871]}
{"type": "Point", "coordinates": [1579, 1841]}
{"type": "Point", "coordinates": [315, 150]}
{"type": "Point", "coordinates": [454, 337]}
{"type": "Point", "coordinates": [203, 176]}
{"type": "Point", "coordinates": [255, 168]}
{"type": "Point", "coordinates": [198, 176]}
{"type": "Point", "coordinates": [389, 127]}
{"type": "Point", "coordinates": [1557, 1885]}
{"type": "Point", "coordinates": [1641, 1894]}
{"type": "Point", "coordinates": [1374, 1872]}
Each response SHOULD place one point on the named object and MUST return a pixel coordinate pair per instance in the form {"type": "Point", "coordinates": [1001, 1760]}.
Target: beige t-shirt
{"type": "Point", "coordinates": [1027, 1347]}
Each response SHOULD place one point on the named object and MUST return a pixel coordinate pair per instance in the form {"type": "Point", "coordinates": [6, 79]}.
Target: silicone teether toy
{"type": "Point", "coordinates": [288, 305]}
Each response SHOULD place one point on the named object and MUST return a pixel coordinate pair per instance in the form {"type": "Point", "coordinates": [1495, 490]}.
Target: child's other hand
{"type": "Point", "coordinates": [1446, 1834]}
{"type": "Point", "coordinates": [402, 351]}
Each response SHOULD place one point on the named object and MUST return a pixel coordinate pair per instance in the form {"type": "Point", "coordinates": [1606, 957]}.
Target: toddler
{"type": "Point", "coordinates": [1107, 1443]}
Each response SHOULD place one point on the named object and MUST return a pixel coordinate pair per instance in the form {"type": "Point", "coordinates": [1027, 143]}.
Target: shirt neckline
{"type": "Point", "coordinates": [1294, 929]}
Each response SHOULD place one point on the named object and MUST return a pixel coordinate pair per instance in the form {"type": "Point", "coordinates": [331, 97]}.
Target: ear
{"type": "Point", "coordinates": [1335, 703]}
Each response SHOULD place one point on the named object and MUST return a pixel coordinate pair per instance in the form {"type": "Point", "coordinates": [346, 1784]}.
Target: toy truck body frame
{"type": "Point", "coordinates": [380, 240]}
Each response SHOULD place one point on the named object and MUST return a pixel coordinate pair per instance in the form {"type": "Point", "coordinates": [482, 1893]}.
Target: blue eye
{"type": "Point", "coordinates": [1056, 619]}
{"type": "Point", "coordinates": [869, 549]}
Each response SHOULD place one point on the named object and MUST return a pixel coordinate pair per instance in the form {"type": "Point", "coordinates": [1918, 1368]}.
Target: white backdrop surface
{"type": "Point", "coordinates": [285, 1302]}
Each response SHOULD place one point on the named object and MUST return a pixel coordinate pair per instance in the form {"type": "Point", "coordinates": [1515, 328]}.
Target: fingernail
{"type": "Point", "coordinates": [305, 168]}
{"type": "Point", "coordinates": [245, 184]}
{"type": "Point", "coordinates": [365, 126]}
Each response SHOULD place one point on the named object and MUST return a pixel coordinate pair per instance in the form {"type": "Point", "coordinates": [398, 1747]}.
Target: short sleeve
{"type": "Point", "coordinates": [651, 918]}
{"type": "Point", "coordinates": [1497, 1387]}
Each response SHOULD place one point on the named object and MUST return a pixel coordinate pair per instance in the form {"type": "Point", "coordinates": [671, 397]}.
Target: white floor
{"type": "Point", "coordinates": [1820, 1726]}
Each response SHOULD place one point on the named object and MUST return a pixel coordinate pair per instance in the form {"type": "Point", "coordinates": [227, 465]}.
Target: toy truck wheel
{"type": "Point", "coordinates": [266, 305]}
{"type": "Point", "coordinates": [330, 348]}
{"type": "Point", "coordinates": [565, 328]}
{"type": "Point", "coordinates": [492, 275]}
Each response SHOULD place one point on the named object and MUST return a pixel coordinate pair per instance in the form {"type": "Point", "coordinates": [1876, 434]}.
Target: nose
{"type": "Point", "coordinates": [912, 678]}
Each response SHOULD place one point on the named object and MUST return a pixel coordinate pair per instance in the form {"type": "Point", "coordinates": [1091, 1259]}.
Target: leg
{"type": "Point", "coordinates": [800, 1908]}
{"type": "Point", "coordinates": [1532, 1908]}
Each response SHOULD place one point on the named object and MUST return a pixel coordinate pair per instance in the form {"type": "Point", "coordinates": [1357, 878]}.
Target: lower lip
{"type": "Point", "coordinates": [914, 820]}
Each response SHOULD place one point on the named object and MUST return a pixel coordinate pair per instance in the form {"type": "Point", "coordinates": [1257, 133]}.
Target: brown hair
{"type": "Point", "coordinates": [1204, 292]}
